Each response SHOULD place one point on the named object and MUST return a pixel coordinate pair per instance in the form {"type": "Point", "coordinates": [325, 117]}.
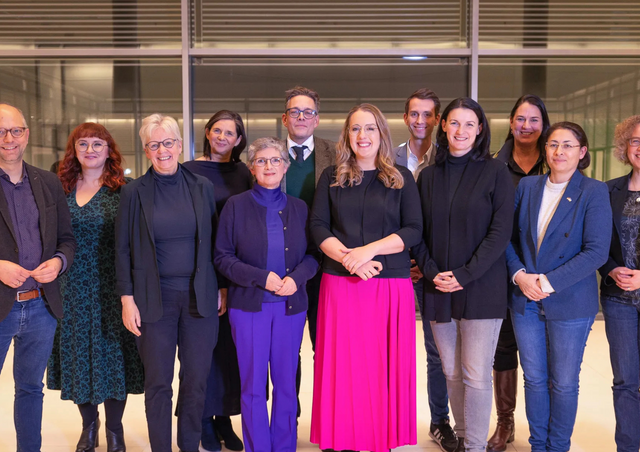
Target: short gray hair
{"type": "Point", "coordinates": [267, 143]}
{"type": "Point", "coordinates": [24, 121]}
{"type": "Point", "coordinates": [152, 122]}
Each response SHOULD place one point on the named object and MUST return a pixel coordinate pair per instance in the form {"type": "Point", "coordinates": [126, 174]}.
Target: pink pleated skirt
{"type": "Point", "coordinates": [364, 391]}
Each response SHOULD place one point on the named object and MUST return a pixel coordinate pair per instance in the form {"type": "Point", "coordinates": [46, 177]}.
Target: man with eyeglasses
{"type": "Point", "coordinates": [310, 155]}
{"type": "Point", "coordinates": [36, 245]}
{"type": "Point", "coordinates": [421, 115]}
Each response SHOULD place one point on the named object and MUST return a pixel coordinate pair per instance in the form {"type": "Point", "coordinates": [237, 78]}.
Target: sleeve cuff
{"type": "Point", "coordinates": [513, 278]}
{"type": "Point", "coordinates": [545, 284]}
{"type": "Point", "coordinates": [63, 258]}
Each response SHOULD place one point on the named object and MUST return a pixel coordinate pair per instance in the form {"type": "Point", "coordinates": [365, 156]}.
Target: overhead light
{"type": "Point", "coordinates": [414, 57]}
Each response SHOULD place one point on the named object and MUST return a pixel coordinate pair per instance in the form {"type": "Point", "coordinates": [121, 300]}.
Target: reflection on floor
{"type": "Point", "coordinates": [594, 427]}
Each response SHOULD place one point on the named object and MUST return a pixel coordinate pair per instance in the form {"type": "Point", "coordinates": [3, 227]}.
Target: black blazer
{"type": "Point", "coordinates": [618, 192]}
{"type": "Point", "coordinates": [55, 232]}
{"type": "Point", "coordinates": [469, 238]}
{"type": "Point", "coordinates": [136, 263]}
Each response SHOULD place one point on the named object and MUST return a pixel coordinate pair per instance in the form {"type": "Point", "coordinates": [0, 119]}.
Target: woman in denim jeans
{"type": "Point", "coordinates": [562, 230]}
{"type": "Point", "coordinates": [620, 288]}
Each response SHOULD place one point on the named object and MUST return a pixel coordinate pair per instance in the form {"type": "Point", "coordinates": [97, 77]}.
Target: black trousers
{"type": "Point", "coordinates": [507, 350]}
{"type": "Point", "coordinates": [195, 338]}
{"type": "Point", "coordinates": [313, 294]}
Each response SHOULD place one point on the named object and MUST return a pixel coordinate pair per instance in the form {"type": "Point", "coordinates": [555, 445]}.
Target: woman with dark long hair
{"type": "Point", "coordinates": [224, 140]}
{"type": "Point", "coordinates": [467, 208]}
{"type": "Point", "coordinates": [94, 358]}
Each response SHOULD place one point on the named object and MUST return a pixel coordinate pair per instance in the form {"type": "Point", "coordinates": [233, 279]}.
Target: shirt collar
{"type": "Point", "coordinates": [24, 176]}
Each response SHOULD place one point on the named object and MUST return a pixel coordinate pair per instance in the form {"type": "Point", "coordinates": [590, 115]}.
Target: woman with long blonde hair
{"type": "Point", "coordinates": [365, 216]}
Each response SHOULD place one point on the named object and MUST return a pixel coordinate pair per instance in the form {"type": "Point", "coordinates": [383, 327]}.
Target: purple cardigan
{"type": "Point", "coordinates": [241, 251]}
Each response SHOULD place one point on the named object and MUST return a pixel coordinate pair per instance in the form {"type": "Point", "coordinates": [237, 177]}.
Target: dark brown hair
{"type": "Point", "coordinates": [579, 134]}
{"type": "Point", "coordinates": [424, 94]}
{"type": "Point", "coordinates": [237, 119]}
{"type": "Point", "coordinates": [301, 91]}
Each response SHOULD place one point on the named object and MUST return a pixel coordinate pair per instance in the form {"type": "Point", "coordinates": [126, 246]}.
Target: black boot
{"type": "Point", "coordinates": [209, 437]}
{"type": "Point", "coordinates": [89, 438]}
{"type": "Point", "coordinates": [223, 427]}
{"type": "Point", "coordinates": [115, 441]}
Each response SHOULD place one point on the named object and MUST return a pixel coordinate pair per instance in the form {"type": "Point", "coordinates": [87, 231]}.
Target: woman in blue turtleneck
{"type": "Point", "coordinates": [167, 283]}
{"type": "Point", "coordinates": [262, 249]}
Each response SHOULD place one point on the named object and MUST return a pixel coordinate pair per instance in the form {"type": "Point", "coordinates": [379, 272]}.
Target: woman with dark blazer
{"type": "Point", "coordinates": [167, 283]}
{"type": "Point", "coordinates": [262, 248]}
{"type": "Point", "coordinates": [620, 288]}
{"type": "Point", "coordinates": [224, 140]}
{"type": "Point", "coordinates": [561, 236]}
{"type": "Point", "coordinates": [366, 215]}
{"type": "Point", "coordinates": [467, 207]}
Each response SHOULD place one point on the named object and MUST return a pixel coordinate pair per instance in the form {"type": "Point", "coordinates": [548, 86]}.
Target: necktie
{"type": "Point", "coordinates": [299, 150]}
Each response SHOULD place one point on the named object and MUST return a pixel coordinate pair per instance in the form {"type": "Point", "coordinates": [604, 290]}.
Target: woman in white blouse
{"type": "Point", "coordinates": [562, 231]}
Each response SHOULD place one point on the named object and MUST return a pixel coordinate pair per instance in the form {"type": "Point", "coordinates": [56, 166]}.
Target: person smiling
{"type": "Point", "coordinates": [620, 287]}
{"type": "Point", "coordinates": [94, 359]}
{"type": "Point", "coordinates": [167, 282]}
{"type": "Point", "coordinates": [262, 248]}
{"type": "Point", "coordinates": [224, 140]}
{"type": "Point", "coordinates": [523, 154]}
{"type": "Point", "coordinates": [561, 236]}
{"type": "Point", "coordinates": [365, 217]}
{"type": "Point", "coordinates": [467, 208]}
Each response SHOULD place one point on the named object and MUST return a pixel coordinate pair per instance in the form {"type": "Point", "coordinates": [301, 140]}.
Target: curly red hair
{"type": "Point", "coordinates": [70, 170]}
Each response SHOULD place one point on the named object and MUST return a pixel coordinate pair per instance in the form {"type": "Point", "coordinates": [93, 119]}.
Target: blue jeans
{"type": "Point", "coordinates": [436, 382]}
{"type": "Point", "coordinates": [551, 353]}
{"type": "Point", "coordinates": [31, 326]}
{"type": "Point", "coordinates": [622, 324]}
{"type": "Point", "coordinates": [467, 348]}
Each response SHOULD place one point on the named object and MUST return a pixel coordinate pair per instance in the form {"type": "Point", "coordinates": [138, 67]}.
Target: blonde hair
{"type": "Point", "coordinates": [152, 122]}
{"type": "Point", "coordinates": [348, 173]}
{"type": "Point", "coordinates": [622, 135]}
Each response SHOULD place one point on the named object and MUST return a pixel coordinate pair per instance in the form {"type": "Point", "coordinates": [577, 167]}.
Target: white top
{"type": "Point", "coordinates": [307, 152]}
{"type": "Point", "coordinates": [413, 164]}
{"type": "Point", "coordinates": [551, 197]}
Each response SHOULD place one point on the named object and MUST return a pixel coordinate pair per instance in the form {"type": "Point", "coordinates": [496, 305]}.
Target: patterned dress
{"type": "Point", "coordinates": [94, 357]}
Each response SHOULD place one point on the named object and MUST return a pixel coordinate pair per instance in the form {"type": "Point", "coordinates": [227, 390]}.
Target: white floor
{"type": "Point", "coordinates": [593, 433]}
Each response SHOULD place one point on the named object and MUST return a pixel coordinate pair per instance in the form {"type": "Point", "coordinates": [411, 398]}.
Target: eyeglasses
{"type": "Point", "coordinates": [155, 145]}
{"type": "Point", "coordinates": [369, 129]}
{"type": "Point", "coordinates": [275, 161]}
{"type": "Point", "coordinates": [564, 146]}
{"type": "Point", "coordinates": [16, 132]}
{"type": "Point", "coordinates": [295, 113]}
{"type": "Point", "coordinates": [633, 142]}
{"type": "Point", "coordinates": [97, 146]}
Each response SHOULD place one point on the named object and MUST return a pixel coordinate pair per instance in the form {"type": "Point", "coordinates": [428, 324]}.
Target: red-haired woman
{"type": "Point", "coordinates": [94, 357]}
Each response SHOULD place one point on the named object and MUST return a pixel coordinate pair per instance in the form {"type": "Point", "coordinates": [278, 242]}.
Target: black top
{"type": "Point", "coordinates": [505, 155]}
{"type": "Point", "coordinates": [455, 168]}
{"type": "Point", "coordinates": [366, 213]}
{"type": "Point", "coordinates": [469, 237]}
{"type": "Point", "coordinates": [229, 178]}
{"type": "Point", "coordinates": [174, 227]}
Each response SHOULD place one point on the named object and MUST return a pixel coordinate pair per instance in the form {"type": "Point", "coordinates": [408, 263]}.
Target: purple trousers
{"type": "Point", "coordinates": [268, 340]}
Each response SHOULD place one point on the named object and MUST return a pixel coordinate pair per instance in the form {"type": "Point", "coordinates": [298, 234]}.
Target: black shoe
{"type": "Point", "coordinates": [115, 441]}
{"type": "Point", "coordinates": [89, 438]}
{"type": "Point", "coordinates": [209, 438]}
{"type": "Point", "coordinates": [224, 428]}
{"type": "Point", "coordinates": [460, 447]}
{"type": "Point", "coordinates": [444, 436]}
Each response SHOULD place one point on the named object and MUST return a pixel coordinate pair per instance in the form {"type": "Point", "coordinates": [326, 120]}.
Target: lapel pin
{"type": "Point", "coordinates": [568, 199]}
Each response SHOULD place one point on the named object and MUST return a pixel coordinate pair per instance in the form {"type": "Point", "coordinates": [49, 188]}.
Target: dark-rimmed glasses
{"type": "Point", "coordinates": [294, 113]}
{"type": "Point", "coordinates": [16, 132]}
{"type": "Point", "coordinates": [155, 145]}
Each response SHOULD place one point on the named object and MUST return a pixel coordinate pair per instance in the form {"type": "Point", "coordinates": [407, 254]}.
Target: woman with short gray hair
{"type": "Point", "coordinates": [167, 283]}
{"type": "Point", "coordinates": [262, 248]}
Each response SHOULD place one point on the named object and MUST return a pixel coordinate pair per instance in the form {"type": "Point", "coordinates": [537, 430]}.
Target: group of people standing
{"type": "Point", "coordinates": [220, 261]}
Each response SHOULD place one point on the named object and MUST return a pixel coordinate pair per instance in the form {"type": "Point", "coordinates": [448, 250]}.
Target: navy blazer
{"type": "Point", "coordinates": [241, 251]}
{"type": "Point", "coordinates": [575, 245]}
{"type": "Point", "coordinates": [136, 263]}
{"type": "Point", "coordinates": [618, 193]}
{"type": "Point", "coordinates": [55, 232]}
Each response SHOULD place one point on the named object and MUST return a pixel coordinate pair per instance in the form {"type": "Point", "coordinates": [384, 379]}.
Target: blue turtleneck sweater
{"type": "Point", "coordinates": [274, 200]}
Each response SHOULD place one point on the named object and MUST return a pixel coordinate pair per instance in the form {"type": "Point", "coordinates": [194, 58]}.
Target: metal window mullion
{"type": "Point", "coordinates": [474, 45]}
{"type": "Point", "coordinates": [187, 123]}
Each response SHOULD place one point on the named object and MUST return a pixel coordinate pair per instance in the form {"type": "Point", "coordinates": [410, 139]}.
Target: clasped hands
{"type": "Point", "coordinates": [625, 278]}
{"type": "Point", "coordinates": [447, 282]}
{"type": "Point", "coordinates": [13, 275]}
{"type": "Point", "coordinates": [360, 261]}
{"type": "Point", "coordinates": [281, 286]}
{"type": "Point", "coordinates": [530, 286]}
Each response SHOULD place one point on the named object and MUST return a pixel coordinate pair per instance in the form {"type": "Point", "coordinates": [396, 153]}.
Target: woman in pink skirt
{"type": "Point", "coordinates": [366, 214]}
